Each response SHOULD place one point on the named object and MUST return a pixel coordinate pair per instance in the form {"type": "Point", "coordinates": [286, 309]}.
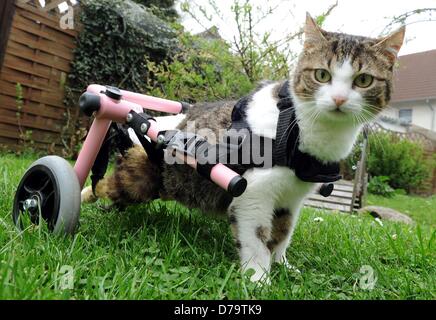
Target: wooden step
{"type": "Point", "coordinates": [341, 198]}
{"type": "Point", "coordinates": [328, 206]}
{"type": "Point", "coordinates": [343, 187]}
{"type": "Point", "coordinates": [342, 194]}
{"type": "Point", "coordinates": [331, 199]}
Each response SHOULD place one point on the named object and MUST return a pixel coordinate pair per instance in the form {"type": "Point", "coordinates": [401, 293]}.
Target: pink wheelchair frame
{"type": "Point", "coordinates": [109, 108]}
{"type": "Point", "coordinates": [50, 188]}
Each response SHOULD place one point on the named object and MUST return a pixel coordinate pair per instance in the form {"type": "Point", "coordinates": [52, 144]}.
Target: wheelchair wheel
{"type": "Point", "coordinates": [49, 192]}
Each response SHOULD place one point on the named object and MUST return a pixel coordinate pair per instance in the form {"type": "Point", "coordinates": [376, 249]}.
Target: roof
{"type": "Point", "coordinates": [415, 79]}
{"type": "Point", "coordinates": [210, 34]}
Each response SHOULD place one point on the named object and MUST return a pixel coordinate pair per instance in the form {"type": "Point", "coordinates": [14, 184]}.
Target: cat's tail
{"type": "Point", "coordinates": [135, 179]}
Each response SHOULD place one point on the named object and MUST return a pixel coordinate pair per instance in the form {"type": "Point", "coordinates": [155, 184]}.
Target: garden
{"type": "Point", "coordinates": [162, 250]}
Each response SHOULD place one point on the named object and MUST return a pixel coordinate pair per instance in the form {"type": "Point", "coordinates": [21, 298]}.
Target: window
{"type": "Point", "coordinates": [406, 116]}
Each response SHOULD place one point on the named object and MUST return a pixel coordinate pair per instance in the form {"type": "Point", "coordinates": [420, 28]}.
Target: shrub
{"type": "Point", "coordinates": [115, 38]}
{"type": "Point", "coordinates": [203, 70]}
{"type": "Point", "coordinates": [111, 50]}
{"type": "Point", "coordinates": [401, 160]}
{"type": "Point", "coordinates": [380, 186]}
{"type": "Point", "coordinates": [123, 44]}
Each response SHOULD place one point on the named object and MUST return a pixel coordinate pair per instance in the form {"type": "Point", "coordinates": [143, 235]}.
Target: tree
{"type": "Point", "coordinates": [261, 56]}
{"type": "Point", "coordinates": [423, 15]}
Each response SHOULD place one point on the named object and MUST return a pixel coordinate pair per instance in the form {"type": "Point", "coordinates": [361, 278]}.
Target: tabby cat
{"type": "Point", "coordinates": [340, 82]}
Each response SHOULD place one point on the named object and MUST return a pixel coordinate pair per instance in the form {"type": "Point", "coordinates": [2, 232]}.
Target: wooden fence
{"type": "Point", "coordinates": [7, 10]}
{"type": "Point", "coordinates": [37, 56]}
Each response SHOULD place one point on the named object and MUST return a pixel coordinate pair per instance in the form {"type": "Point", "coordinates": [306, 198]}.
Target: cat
{"type": "Point", "coordinates": [340, 83]}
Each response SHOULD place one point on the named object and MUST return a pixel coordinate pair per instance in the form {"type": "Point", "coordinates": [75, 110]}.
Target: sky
{"type": "Point", "coordinates": [365, 17]}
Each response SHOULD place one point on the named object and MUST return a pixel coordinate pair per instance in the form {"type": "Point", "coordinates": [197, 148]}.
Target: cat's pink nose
{"type": "Point", "coordinates": [339, 101]}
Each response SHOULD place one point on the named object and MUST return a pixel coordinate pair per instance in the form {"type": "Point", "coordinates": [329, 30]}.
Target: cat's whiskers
{"type": "Point", "coordinates": [355, 121]}
{"type": "Point", "coordinates": [378, 109]}
{"type": "Point", "coordinates": [311, 121]}
{"type": "Point", "coordinates": [313, 114]}
{"type": "Point", "coordinates": [304, 113]}
{"type": "Point", "coordinates": [289, 128]}
{"type": "Point", "coordinates": [377, 139]}
{"type": "Point", "coordinates": [366, 117]}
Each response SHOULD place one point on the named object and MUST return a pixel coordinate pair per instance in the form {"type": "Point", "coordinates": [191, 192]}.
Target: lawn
{"type": "Point", "coordinates": [421, 210]}
{"type": "Point", "coordinates": [163, 251]}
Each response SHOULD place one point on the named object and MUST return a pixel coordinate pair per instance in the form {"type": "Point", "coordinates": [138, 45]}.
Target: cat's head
{"type": "Point", "coordinates": [343, 78]}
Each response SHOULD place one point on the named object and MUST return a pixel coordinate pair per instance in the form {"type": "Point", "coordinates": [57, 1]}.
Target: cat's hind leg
{"type": "Point", "coordinates": [135, 179]}
{"type": "Point", "coordinates": [88, 195]}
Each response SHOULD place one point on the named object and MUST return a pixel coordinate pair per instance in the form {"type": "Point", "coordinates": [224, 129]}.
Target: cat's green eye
{"type": "Point", "coordinates": [322, 75]}
{"type": "Point", "coordinates": [363, 80]}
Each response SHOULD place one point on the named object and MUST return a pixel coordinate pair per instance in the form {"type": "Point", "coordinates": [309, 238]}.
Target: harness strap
{"type": "Point", "coordinates": [287, 129]}
{"type": "Point", "coordinates": [285, 150]}
{"type": "Point", "coordinates": [117, 137]}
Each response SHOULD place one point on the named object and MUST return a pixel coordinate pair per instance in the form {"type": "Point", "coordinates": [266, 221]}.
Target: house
{"type": "Point", "coordinates": [413, 102]}
{"type": "Point", "coordinates": [210, 34]}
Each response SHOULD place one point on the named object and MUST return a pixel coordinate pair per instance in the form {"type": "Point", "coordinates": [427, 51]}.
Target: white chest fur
{"type": "Point", "coordinates": [274, 188]}
{"type": "Point", "coordinates": [327, 142]}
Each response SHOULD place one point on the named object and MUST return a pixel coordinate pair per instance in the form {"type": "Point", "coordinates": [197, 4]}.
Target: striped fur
{"type": "Point", "coordinates": [263, 219]}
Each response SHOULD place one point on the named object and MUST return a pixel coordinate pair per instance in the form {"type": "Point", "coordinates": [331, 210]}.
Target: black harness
{"type": "Point", "coordinates": [285, 150]}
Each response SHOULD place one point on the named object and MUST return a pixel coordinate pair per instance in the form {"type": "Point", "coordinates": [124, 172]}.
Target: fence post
{"type": "Point", "coordinates": [360, 178]}
{"type": "Point", "coordinates": [364, 174]}
{"type": "Point", "coordinates": [7, 10]}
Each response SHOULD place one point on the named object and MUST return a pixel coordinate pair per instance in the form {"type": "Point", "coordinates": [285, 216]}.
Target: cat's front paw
{"type": "Point", "coordinates": [284, 262]}
{"type": "Point", "coordinates": [291, 267]}
{"type": "Point", "coordinates": [259, 276]}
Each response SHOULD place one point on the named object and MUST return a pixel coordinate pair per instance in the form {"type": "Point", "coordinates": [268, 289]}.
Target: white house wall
{"type": "Point", "coordinates": [422, 115]}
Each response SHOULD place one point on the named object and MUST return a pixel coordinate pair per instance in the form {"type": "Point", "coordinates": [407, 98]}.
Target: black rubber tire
{"type": "Point", "coordinates": [62, 209]}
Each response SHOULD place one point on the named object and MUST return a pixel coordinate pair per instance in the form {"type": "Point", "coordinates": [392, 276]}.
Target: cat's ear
{"type": "Point", "coordinates": [391, 44]}
{"type": "Point", "coordinates": [312, 32]}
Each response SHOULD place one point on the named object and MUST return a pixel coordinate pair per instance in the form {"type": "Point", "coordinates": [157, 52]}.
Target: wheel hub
{"type": "Point", "coordinates": [37, 197]}
{"type": "Point", "coordinates": [30, 204]}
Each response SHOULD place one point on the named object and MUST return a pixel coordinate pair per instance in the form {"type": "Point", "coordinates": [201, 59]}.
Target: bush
{"type": "Point", "coordinates": [402, 161]}
{"type": "Point", "coordinates": [203, 70]}
{"type": "Point", "coordinates": [111, 50]}
{"type": "Point", "coordinates": [123, 44]}
{"type": "Point", "coordinates": [115, 38]}
{"type": "Point", "coordinates": [380, 186]}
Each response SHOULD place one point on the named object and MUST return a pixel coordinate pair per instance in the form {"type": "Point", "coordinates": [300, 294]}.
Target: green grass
{"type": "Point", "coordinates": [421, 210]}
{"type": "Point", "coordinates": [163, 251]}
